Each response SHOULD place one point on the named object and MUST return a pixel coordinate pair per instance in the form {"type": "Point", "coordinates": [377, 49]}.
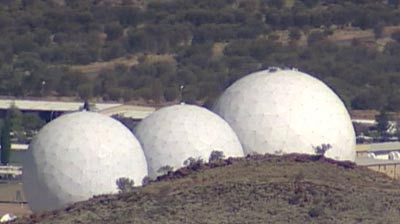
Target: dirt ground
{"type": "Point", "coordinates": [12, 199]}
{"type": "Point", "coordinates": [16, 209]}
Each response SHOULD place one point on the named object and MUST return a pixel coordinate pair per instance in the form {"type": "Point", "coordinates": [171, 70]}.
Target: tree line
{"type": "Point", "coordinates": [41, 39]}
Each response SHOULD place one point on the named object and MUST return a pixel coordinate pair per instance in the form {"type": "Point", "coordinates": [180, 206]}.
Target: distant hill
{"type": "Point", "coordinates": [137, 50]}
{"type": "Point", "coordinates": [256, 189]}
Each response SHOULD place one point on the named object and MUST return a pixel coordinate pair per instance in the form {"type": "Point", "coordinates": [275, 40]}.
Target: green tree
{"type": "Point", "coordinates": [315, 37]}
{"type": "Point", "coordinates": [378, 30]}
{"type": "Point", "coordinates": [15, 117]}
{"type": "Point", "coordinates": [5, 141]}
{"type": "Point", "coordinates": [321, 149]}
{"type": "Point", "coordinates": [216, 156]}
{"type": "Point", "coordinates": [382, 120]}
{"type": "Point", "coordinates": [310, 3]}
{"type": "Point", "coordinates": [396, 36]}
{"type": "Point", "coordinates": [32, 121]}
{"type": "Point", "coordinates": [113, 30]}
{"type": "Point", "coordinates": [171, 93]}
{"type": "Point", "coordinates": [276, 3]}
{"type": "Point", "coordinates": [157, 91]}
{"type": "Point", "coordinates": [193, 164]}
{"type": "Point", "coordinates": [125, 184]}
{"type": "Point", "coordinates": [394, 3]}
{"type": "Point", "coordinates": [294, 34]}
{"type": "Point", "coordinates": [165, 169]}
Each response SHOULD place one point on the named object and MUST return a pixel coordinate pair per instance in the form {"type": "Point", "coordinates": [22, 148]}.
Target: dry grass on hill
{"type": "Point", "coordinates": [258, 189]}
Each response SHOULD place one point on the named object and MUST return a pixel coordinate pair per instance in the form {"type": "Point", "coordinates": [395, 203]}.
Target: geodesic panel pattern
{"type": "Point", "coordinates": [79, 155]}
{"type": "Point", "coordinates": [286, 111]}
{"type": "Point", "coordinates": [172, 134]}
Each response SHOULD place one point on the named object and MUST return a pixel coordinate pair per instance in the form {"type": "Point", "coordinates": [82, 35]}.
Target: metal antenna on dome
{"type": "Point", "coordinates": [273, 69]}
{"type": "Point", "coordinates": [181, 87]}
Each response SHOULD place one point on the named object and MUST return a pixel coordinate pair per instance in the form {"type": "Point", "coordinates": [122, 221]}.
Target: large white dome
{"type": "Point", "coordinates": [172, 134]}
{"type": "Point", "coordinates": [79, 155]}
{"type": "Point", "coordinates": [285, 111]}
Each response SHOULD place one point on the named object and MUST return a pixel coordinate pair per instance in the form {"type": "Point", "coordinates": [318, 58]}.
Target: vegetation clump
{"type": "Point", "coordinates": [5, 141]}
{"type": "Point", "coordinates": [125, 184]}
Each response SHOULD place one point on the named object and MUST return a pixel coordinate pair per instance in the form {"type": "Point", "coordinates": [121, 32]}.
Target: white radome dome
{"type": "Point", "coordinates": [172, 134]}
{"type": "Point", "coordinates": [79, 155]}
{"type": "Point", "coordinates": [286, 111]}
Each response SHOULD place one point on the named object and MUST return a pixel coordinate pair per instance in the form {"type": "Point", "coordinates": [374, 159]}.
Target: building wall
{"type": "Point", "coordinates": [392, 170]}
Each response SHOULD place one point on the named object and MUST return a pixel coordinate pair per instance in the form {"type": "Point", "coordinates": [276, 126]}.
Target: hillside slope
{"type": "Point", "coordinates": [136, 50]}
{"type": "Point", "coordinates": [261, 189]}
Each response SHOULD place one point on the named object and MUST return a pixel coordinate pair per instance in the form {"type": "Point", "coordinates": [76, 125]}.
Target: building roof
{"type": "Point", "coordinates": [366, 161]}
{"type": "Point", "coordinates": [44, 105]}
{"type": "Point", "coordinates": [378, 147]}
{"type": "Point", "coordinates": [132, 111]}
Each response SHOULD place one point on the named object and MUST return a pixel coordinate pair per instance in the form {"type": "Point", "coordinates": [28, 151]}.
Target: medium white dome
{"type": "Point", "coordinates": [286, 111]}
{"type": "Point", "coordinates": [172, 134]}
{"type": "Point", "coordinates": [79, 155]}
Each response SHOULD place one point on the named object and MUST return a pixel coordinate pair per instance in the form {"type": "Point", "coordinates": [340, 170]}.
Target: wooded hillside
{"type": "Point", "coordinates": [131, 50]}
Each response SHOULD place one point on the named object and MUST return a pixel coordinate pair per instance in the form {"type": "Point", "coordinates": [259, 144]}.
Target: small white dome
{"type": "Point", "coordinates": [286, 111]}
{"type": "Point", "coordinates": [172, 134]}
{"type": "Point", "coordinates": [79, 155]}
